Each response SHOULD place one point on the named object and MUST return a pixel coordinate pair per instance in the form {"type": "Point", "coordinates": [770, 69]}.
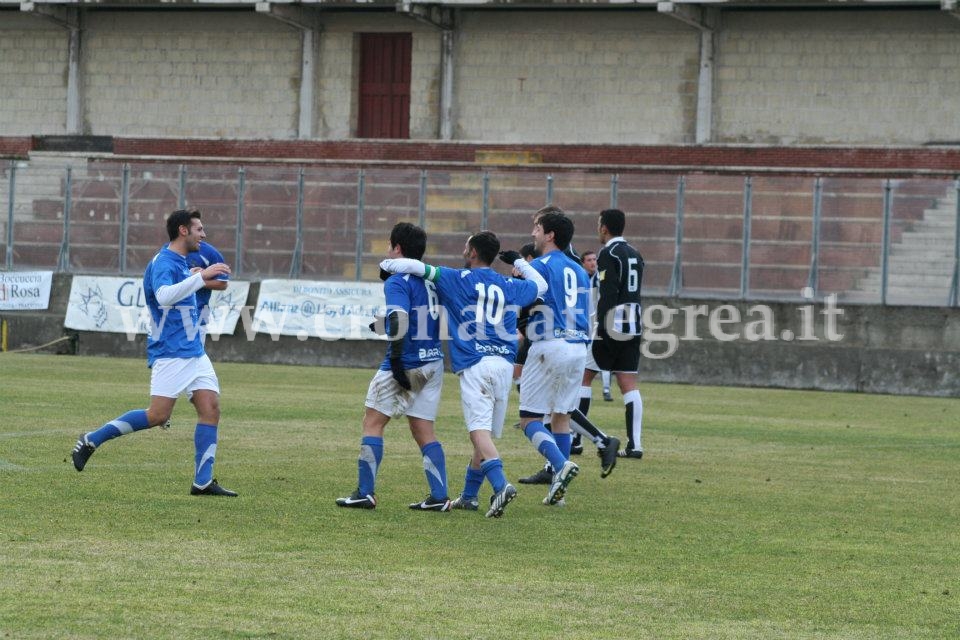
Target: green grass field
{"type": "Point", "coordinates": [755, 514]}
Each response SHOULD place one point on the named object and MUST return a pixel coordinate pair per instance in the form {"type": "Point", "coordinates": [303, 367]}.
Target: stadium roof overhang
{"type": "Point", "coordinates": [697, 13]}
{"type": "Point", "coordinates": [946, 5]}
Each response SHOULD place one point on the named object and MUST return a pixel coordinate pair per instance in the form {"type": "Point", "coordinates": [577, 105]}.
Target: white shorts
{"type": "Point", "coordinates": [421, 401]}
{"type": "Point", "coordinates": [172, 376]}
{"type": "Point", "coordinates": [484, 393]}
{"type": "Point", "coordinates": [590, 363]}
{"type": "Point", "coordinates": [550, 382]}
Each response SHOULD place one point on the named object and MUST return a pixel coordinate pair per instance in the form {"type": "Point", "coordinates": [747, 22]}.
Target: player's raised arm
{"type": "Point", "coordinates": [526, 271]}
{"type": "Point", "coordinates": [411, 266]}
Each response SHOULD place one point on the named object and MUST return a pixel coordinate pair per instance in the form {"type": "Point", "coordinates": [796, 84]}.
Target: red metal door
{"type": "Point", "coordinates": [384, 85]}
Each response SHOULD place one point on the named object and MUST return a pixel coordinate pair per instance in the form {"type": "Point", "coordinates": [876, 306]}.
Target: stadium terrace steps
{"type": "Point", "coordinates": [921, 257]}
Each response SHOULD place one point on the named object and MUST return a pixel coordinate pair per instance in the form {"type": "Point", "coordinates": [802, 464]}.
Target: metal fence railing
{"type": "Point", "coordinates": [765, 236]}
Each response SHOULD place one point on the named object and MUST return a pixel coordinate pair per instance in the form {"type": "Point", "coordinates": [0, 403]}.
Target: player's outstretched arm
{"type": "Point", "coordinates": [411, 266]}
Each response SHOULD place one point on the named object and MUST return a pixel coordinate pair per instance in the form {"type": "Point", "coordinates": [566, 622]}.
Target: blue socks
{"type": "Point", "coordinates": [205, 443]}
{"type": "Point", "coordinates": [435, 468]}
{"type": "Point", "coordinates": [371, 453]}
{"type": "Point", "coordinates": [545, 443]}
{"type": "Point", "coordinates": [493, 471]}
{"type": "Point", "coordinates": [129, 422]}
{"type": "Point", "coordinates": [564, 440]}
{"type": "Point", "coordinates": [472, 482]}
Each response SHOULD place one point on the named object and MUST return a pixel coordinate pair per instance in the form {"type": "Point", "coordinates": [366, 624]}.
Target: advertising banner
{"type": "Point", "coordinates": [23, 290]}
{"type": "Point", "coordinates": [117, 305]}
{"type": "Point", "coordinates": [318, 309]}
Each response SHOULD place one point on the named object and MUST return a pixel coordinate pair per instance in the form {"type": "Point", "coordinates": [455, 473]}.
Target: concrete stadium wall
{"type": "Point", "coordinates": [594, 77]}
{"type": "Point", "coordinates": [897, 350]}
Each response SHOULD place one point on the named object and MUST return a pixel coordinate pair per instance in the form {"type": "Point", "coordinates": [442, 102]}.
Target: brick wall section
{"type": "Point", "coordinates": [946, 159]}
{"type": "Point", "coordinates": [15, 147]}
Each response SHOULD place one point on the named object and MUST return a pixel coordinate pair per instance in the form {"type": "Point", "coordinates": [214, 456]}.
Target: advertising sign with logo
{"type": "Point", "coordinates": [318, 309]}
{"type": "Point", "coordinates": [117, 305]}
{"type": "Point", "coordinates": [23, 290]}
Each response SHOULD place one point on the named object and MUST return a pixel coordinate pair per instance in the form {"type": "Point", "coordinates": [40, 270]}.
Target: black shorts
{"type": "Point", "coordinates": [522, 352]}
{"type": "Point", "coordinates": [617, 355]}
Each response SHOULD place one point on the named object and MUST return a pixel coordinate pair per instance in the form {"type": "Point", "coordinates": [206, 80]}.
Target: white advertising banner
{"type": "Point", "coordinates": [22, 290]}
{"type": "Point", "coordinates": [118, 305]}
{"type": "Point", "coordinates": [318, 309]}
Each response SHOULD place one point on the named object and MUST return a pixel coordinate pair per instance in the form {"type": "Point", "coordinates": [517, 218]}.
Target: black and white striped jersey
{"type": "Point", "coordinates": [620, 274]}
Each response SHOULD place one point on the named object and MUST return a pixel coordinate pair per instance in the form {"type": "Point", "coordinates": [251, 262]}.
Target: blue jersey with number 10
{"type": "Point", "coordinates": [567, 301]}
{"type": "Point", "coordinates": [482, 309]}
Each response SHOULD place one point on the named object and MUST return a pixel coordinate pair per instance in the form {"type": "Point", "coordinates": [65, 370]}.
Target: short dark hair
{"type": "Point", "coordinates": [529, 251]}
{"type": "Point", "coordinates": [614, 220]}
{"type": "Point", "coordinates": [486, 244]}
{"type": "Point", "coordinates": [180, 218]}
{"type": "Point", "coordinates": [588, 252]}
{"type": "Point", "coordinates": [542, 211]}
{"type": "Point", "coordinates": [560, 225]}
{"type": "Point", "coordinates": [411, 239]}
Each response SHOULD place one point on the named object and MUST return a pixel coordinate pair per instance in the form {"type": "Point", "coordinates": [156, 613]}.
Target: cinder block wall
{"type": "Point", "coordinates": [599, 77]}
{"type": "Point", "coordinates": [836, 77]}
{"type": "Point", "coordinates": [222, 75]}
{"type": "Point", "coordinates": [33, 86]}
{"type": "Point", "coordinates": [587, 77]}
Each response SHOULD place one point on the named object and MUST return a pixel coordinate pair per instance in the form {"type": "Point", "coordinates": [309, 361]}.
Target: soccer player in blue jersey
{"type": "Point", "coordinates": [409, 379]}
{"type": "Point", "coordinates": [481, 308]}
{"type": "Point", "coordinates": [202, 258]}
{"type": "Point", "coordinates": [559, 332]}
{"type": "Point", "coordinates": [175, 354]}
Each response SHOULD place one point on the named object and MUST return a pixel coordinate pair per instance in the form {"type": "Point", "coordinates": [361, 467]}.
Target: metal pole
{"type": "Point", "coordinates": [359, 249]}
{"type": "Point", "coordinates": [955, 286]}
{"type": "Point", "coordinates": [10, 204]}
{"type": "Point", "coordinates": [885, 250]}
{"type": "Point", "coordinates": [182, 197]}
{"type": "Point", "coordinates": [614, 188]}
{"type": "Point", "coordinates": [550, 189]}
{"type": "Point", "coordinates": [63, 260]}
{"type": "Point", "coordinates": [241, 190]}
{"type": "Point", "coordinates": [745, 254]}
{"type": "Point", "coordinates": [297, 261]}
{"type": "Point", "coordinates": [124, 216]}
{"type": "Point", "coordinates": [485, 214]}
{"type": "Point", "coordinates": [676, 278]}
{"type": "Point", "coordinates": [422, 207]}
{"type": "Point", "coordinates": [813, 278]}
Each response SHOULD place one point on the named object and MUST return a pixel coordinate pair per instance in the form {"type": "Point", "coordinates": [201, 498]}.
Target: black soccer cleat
{"type": "Point", "coordinates": [543, 476]}
{"type": "Point", "coordinates": [356, 500]}
{"type": "Point", "coordinates": [500, 500]}
{"type": "Point", "coordinates": [608, 456]}
{"type": "Point", "coordinates": [82, 452]}
{"type": "Point", "coordinates": [636, 454]}
{"type": "Point", "coordinates": [606, 395]}
{"type": "Point", "coordinates": [431, 504]}
{"type": "Point", "coordinates": [212, 489]}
